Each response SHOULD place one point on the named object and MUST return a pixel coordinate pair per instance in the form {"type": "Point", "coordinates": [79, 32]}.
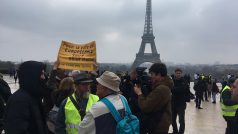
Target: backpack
{"type": "Point", "coordinates": [129, 124]}
{"type": "Point", "coordinates": [52, 117]}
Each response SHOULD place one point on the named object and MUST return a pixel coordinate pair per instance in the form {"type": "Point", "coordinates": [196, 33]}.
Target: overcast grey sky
{"type": "Point", "coordinates": [186, 31]}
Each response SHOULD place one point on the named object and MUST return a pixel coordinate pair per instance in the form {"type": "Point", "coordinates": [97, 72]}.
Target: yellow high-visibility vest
{"type": "Point", "coordinates": [229, 111]}
{"type": "Point", "coordinates": [72, 116]}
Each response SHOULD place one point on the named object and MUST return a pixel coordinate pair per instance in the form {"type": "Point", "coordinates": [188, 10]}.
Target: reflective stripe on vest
{"type": "Point", "coordinates": [229, 111]}
{"type": "Point", "coordinates": [72, 126]}
{"type": "Point", "coordinates": [72, 116]}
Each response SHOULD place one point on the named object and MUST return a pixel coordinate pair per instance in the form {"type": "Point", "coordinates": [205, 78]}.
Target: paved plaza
{"type": "Point", "coordinates": [208, 120]}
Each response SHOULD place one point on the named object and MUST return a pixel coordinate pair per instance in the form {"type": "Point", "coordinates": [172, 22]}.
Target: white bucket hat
{"type": "Point", "coordinates": [110, 80]}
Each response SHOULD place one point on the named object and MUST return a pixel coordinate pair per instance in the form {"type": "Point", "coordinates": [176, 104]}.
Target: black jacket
{"type": "Point", "coordinates": [5, 93]}
{"type": "Point", "coordinates": [180, 92]}
{"type": "Point", "coordinates": [24, 111]}
{"type": "Point", "coordinates": [200, 87]}
{"type": "Point", "coordinates": [5, 90]}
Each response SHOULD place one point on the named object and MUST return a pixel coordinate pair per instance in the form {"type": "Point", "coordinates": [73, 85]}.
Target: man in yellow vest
{"type": "Point", "coordinates": [229, 107]}
{"type": "Point", "coordinates": [99, 119]}
{"type": "Point", "coordinates": [235, 91]}
{"type": "Point", "coordinates": [74, 108]}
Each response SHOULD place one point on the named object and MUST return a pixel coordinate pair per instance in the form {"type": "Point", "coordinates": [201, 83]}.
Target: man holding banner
{"type": "Point", "coordinates": [73, 109]}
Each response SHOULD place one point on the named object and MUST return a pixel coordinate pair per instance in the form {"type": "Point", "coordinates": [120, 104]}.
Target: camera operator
{"type": "Point", "coordinates": [157, 104]}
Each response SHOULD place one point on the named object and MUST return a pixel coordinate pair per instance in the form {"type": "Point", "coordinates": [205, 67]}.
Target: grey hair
{"type": "Point", "coordinates": [110, 91]}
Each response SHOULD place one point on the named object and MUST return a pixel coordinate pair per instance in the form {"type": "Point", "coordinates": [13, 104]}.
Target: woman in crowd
{"type": "Point", "coordinates": [66, 88]}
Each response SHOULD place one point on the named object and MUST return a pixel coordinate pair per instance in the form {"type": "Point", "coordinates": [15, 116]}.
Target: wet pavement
{"type": "Point", "coordinates": [208, 120]}
{"type": "Point", "coordinates": [11, 83]}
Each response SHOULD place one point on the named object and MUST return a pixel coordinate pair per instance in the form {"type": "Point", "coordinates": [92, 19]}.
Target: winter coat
{"type": "Point", "coordinates": [99, 119]}
{"type": "Point", "coordinates": [24, 111]}
{"type": "Point", "coordinates": [180, 92]}
{"type": "Point", "coordinates": [5, 93]}
{"type": "Point", "coordinates": [215, 88]}
{"type": "Point", "coordinates": [159, 99]}
{"type": "Point", "coordinates": [200, 87]}
{"type": "Point", "coordinates": [52, 85]}
{"type": "Point", "coordinates": [5, 90]}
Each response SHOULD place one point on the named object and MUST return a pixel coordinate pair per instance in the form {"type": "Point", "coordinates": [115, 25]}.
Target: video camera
{"type": "Point", "coordinates": [143, 80]}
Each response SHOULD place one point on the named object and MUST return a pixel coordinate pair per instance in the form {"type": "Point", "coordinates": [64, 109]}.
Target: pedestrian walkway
{"type": "Point", "coordinates": [11, 83]}
{"type": "Point", "coordinates": [208, 120]}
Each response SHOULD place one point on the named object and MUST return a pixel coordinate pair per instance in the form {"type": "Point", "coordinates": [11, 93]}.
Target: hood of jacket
{"type": "Point", "coordinates": [29, 77]}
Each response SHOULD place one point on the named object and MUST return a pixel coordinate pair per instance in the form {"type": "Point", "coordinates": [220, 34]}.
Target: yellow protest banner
{"type": "Point", "coordinates": [77, 56]}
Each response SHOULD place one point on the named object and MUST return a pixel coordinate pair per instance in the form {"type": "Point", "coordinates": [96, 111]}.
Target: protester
{"type": "Point", "coordinates": [93, 85]}
{"type": "Point", "coordinates": [24, 111]}
{"type": "Point", "coordinates": [180, 95]}
{"type": "Point", "coordinates": [229, 107]}
{"type": "Point", "coordinates": [158, 102]}
{"type": "Point", "coordinates": [215, 90]}
{"type": "Point", "coordinates": [15, 76]}
{"type": "Point", "coordinates": [195, 77]}
{"type": "Point", "coordinates": [205, 88]}
{"type": "Point", "coordinates": [5, 93]}
{"type": "Point", "coordinates": [235, 92]}
{"type": "Point", "coordinates": [223, 83]}
{"type": "Point", "coordinates": [99, 119]}
{"type": "Point", "coordinates": [66, 89]}
{"type": "Point", "coordinates": [209, 86]}
{"type": "Point", "coordinates": [74, 108]}
{"type": "Point", "coordinates": [199, 88]}
{"type": "Point", "coordinates": [56, 75]}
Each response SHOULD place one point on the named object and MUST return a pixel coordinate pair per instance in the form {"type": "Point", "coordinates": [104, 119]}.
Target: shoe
{"type": "Point", "coordinates": [214, 102]}
{"type": "Point", "coordinates": [200, 108]}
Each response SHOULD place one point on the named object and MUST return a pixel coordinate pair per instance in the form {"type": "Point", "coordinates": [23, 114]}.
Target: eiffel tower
{"type": "Point", "coordinates": [147, 39]}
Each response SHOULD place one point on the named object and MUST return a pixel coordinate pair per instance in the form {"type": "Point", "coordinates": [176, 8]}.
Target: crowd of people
{"type": "Point", "coordinates": [82, 102]}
